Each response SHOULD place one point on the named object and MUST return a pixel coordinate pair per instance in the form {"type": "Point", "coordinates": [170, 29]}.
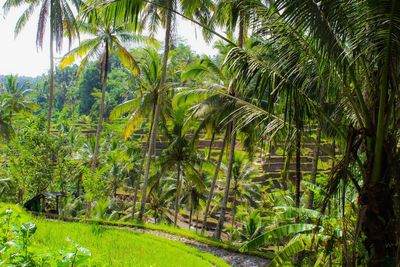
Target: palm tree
{"type": "Point", "coordinates": [339, 40]}
{"type": "Point", "coordinates": [13, 101]}
{"type": "Point", "coordinates": [107, 38]}
{"type": "Point", "coordinates": [156, 13]}
{"type": "Point", "coordinates": [60, 16]}
{"type": "Point", "coordinates": [144, 104]}
{"type": "Point", "coordinates": [229, 15]}
{"type": "Point", "coordinates": [243, 186]}
{"type": "Point", "coordinates": [15, 95]}
{"type": "Point", "coordinates": [191, 196]}
{"type": "Point", "coordinates": [167, 21]}
{"type": "Point", "coordinates": [180, 156]}
{"type": "Point", "coordinates": [116, 159]}
{"type": "Point", "coordinates": [216, 106]}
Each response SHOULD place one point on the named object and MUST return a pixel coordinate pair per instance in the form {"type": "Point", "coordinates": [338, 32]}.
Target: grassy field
{"type": "Point", "coordinates": [117, 247]}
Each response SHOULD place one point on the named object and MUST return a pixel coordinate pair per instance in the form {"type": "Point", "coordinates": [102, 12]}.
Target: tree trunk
{"type": "Point", "coordinates": [51, 93]}
{"type": "Point", "coordinates": [157, 111]}
{"type": "Point", "coordinates": [220, 225]}
{"type": "Point", "coordinates": [102, 107]}
{"type": "Point", "coordinates": [137, 184]}
{"type": "Point", "coordinates": [379, 224]}
{"type": "Point", "coordinates": [197, 220]}
{"type": "Point", "coordinates": [298, 123]}
{"type": "Point", "coordinates": [177, 194]}
{"type": "Point", "coordinates": [313, 177]}
{"type": "Point", "coordinates": [190, 216]}
{"type": "Point", "coordinates": [214, 180]}
{"type": "Point", "coordinates": [234, 204]}
{"type": "Point", "coordinates": [210, 146]}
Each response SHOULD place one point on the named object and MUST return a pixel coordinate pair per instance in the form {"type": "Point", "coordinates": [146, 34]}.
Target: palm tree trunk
{"type": "Point", "coordinates": [157, 111]}
{"type": "Point", "coordinates": [190, 216]}
{"type": "Point", "coordinates": [51, 93]}
{"type": "Point", "coordinates": [217, 168]}
{"type": "Point", "coordinates": [137, 184]}
{"type": "Point", "coordinates": [298, 167]}
{"type": "Point", "coordinates": [220, 225]}
{"type": "Point", "coordinates": [379, 222]}
{"type": "Point", "coordinates": [102, 108]}
{"type": "Point", "coordinates": [197, 219]}
{"type": "Point", "coordinates": [234, 204]}
{"type": "Point", "coordinates": [211, 145]}
{"type": "Point", "coordinates": [298, 124]}
{"type": "Point", "coordinates": [314, 170]}
{"type": "Point", "coordinates": [177, 195]}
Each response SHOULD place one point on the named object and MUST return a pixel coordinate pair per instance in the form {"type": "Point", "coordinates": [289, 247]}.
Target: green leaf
{"type": "Point", "coordinates": [277, 233]}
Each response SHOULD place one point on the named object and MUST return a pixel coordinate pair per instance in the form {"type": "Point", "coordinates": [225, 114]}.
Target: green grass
{"type": "Point", "coordinates": [116, 247]}
{"type": "Point", "coordinates": [186, 233]}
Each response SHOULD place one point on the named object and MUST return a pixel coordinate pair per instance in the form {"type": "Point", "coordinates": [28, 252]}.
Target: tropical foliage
{"type": "Point", "coordinates": [284, 143]}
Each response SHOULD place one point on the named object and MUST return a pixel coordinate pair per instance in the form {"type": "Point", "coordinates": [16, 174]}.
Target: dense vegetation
{"type": "Point", "coordinates": [285, 143]}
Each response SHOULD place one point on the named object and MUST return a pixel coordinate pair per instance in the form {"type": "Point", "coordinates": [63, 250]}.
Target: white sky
{"type": "Point", "coordinates": [20, 56]}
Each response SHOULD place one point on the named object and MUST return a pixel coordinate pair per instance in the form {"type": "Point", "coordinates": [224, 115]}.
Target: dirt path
{"type": "Point", "coordinates": [235, 259]}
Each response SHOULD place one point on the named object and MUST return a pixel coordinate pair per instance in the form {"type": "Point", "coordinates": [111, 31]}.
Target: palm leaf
{"type": "Point", "coordinates": [277, 233]}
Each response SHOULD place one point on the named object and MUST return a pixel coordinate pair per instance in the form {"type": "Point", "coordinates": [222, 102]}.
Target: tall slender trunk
{"type": "Point", "coordinates": [220, 225]}
{"type": "Point", "coordinates": [102, 107]}
{"type": "Point", "coordinates": [197, 219]}
{"type": "Point", "coordinates": [314, 170]}
{"type": "Point", "coordinates": [214, 180]}
{"type": "Point", "coordinates": [137, 184]}
{"type": "Point", "coordinates": [177, 194]}
{"type": "Point", "coordinates": [298, 124]}
{"type": "Point", "coordinates": [298, 167]}
{"type": "Point", "coordinates": [221, 219]}
{"type": "Point", "coordinates": [210, 146]}
{"type": "Point", "coordinates": [157, 111]}
{"type": "Point", "coordinates": [234, 204]}
{"type": "Point", "coordinates": [190, 216]}
{"type": "Point", "coordinates": [51, 93]}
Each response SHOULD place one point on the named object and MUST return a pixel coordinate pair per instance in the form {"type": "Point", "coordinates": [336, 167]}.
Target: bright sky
{"type": "Point", "coordinates": [20, 56]}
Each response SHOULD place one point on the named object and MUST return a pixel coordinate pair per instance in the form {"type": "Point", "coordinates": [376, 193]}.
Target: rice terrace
{"type": "Point", "coordinates": [239, 133]}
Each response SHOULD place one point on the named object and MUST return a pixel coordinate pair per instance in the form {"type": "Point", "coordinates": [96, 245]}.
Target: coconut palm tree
{"type": "Point", "coordinates": [160, 12]}
{"type": "Point", "coordinates": [13, 102]}
{"type": "Point", "coordinates": [60, 16]}
{"type": "Point", "coordinates": [15, 95]}
{"type": "Point", "coordinates": [143, 106]}
{"type": "Point", "coordinates": [180, 157]}
{"type": "Point", "coordinates": [229, 15]}
{"type": "Point", "coordinates": [243, 189]}
{"type": "Point", "coordinates": [340, 40]}
{"type": "Point", "coordinates": [216, 106]}
{"type": "Point", "coordinates": [107, 38]}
